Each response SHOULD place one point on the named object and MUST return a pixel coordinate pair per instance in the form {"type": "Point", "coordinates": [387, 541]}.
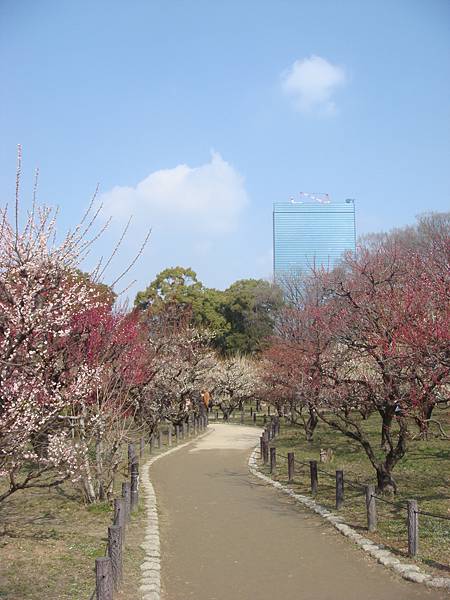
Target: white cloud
{"type": "Point", "coordinates": [208, 198]}
{"type": "Point", "coordinates": [311, 83]}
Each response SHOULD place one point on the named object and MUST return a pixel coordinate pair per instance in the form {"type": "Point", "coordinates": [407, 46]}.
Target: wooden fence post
{"type": "Point", "coordinates": [413, 527]}
{"type": "Point", "coordinates": [120, 517]}
{"type": "Point", "coordinates": [291, 466]}
{"type": "Point", "coordinates": [126, 495]}
{"type": "Point", "coordinates": [217, 415]}
{"type": "Point", "coordinates": [371, 508]}
{"type": "Point", "coordinates": [261, 447]}
{"type": "Point", "coordinates": [264, 419]}
{"type": "Point", "coordinates": [115, 553]}
{"type": "Point", "coordinates": [103, 578]}
{"type": "Point", "coordinates": [169, 435]}
{"type": "Point", "coordinates": [251, 411]}
{"type": "Point", "coordinates": [313, 474]}
{"type": "Point", "coordinates": [273, 460]}
{"type": "Point", "coordinates": [131, 456]}
{"type": "Point", "coordinates": [254, 417]}
{"type": "Point", "coordinates": [339, 489]}
{"type": "Point", "coordinates": [266, 451]}
{"type": "Point", "coordinates": [134, 489]}
{"type": "Point", "coordinates": [242, 417]}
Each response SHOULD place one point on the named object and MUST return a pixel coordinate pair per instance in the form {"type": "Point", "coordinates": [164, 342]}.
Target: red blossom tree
{"type": "Point", "coordinates": [375, 337]}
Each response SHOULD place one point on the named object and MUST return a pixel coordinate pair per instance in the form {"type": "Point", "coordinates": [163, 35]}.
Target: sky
{"type": "Point", "coordinates": [195, 116]}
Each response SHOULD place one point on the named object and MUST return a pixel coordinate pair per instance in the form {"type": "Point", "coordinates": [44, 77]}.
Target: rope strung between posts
{"type": "Point", "coordinates": [361, 487]}
{"type": "Point", "coordinates": [355, 485]}
{"type": "Point", "coordinates": [302, 462]}
{"type": "Point", "coordinates": [282, 456]}
{"type": "Point", "coordinates": [428, 514]}
{"type": "Point", "coordinates": [417, 512]}
{"type": "Point", "coordinates": [396, 504]}
{"type": "Point", "coordinates": [325, 473]}
{"type": "Point", "coordinates": [299, 469]}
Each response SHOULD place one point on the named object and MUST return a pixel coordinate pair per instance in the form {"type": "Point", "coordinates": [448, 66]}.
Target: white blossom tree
{"type": "Point", "coordinates": [235, 381]}
{"type": "Point", "coordinates": [182, 364]}
{"type": "Point", "coordinates": [48, 387]}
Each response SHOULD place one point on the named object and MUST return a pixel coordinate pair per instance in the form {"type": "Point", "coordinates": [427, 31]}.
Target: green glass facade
{"type": "Point", "coordinates": [308, 234]}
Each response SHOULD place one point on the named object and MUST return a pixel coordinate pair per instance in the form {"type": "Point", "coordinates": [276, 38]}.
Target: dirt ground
{"type": "Point", "coordinates": [226, 535]}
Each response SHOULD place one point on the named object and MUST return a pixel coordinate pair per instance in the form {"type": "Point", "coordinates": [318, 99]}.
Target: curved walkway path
{"type": "Point", "coordinates": [227, 536]}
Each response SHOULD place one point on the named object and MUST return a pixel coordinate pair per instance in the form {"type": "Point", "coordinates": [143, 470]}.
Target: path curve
{"type": "Point", "coordinates": [226, 536]}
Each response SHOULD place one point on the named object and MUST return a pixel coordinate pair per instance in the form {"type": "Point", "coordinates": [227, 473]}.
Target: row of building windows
{"type": "Point", "coordinates": [311, 234]}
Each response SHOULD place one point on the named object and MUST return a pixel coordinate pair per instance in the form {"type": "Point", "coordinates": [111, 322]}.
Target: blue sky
{"type": "Point", "coordinates": [195, 116]}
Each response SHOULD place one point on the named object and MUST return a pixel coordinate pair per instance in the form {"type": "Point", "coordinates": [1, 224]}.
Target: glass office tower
{"type": "Point", "coordinates": [311, 233]}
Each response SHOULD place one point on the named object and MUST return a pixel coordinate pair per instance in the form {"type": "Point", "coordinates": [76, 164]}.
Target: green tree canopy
{"type": "Point", "coordinates": [241, 317]}
{"type": "Point", "coordinates": [250, 307]}
{"type": "Point", "coordinates": [179, 285]}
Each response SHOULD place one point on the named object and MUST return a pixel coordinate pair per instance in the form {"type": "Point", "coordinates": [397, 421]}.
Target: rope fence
{"type": "Point", "coordinates": [269, 456]}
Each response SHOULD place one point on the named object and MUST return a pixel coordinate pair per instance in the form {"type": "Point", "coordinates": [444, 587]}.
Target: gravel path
{"type": "Point", "coordinates": [227, 536]}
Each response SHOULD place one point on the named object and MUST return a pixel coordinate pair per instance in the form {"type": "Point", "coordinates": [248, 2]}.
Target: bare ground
{"type": "Point", "coordinates": [226, 536]}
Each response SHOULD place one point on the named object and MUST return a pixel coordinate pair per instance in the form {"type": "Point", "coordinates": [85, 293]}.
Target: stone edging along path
{"type": "Point", "coordinates": [151, 567]}
{"type": "Point", "coordinates": [388, 559]}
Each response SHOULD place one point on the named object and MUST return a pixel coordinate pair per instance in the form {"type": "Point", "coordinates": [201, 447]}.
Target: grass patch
{"type": "Point", "coordinates": [49, 541]}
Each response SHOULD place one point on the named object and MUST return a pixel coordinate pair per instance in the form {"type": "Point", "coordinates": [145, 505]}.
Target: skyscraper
{"type": "Point", "coordinates": [311, 233]}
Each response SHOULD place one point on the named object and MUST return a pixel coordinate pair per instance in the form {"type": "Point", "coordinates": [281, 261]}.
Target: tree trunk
{"type": "Point", "coordinates": [385, 481]}
{"type": "Point", "coordinates": [39, 441]}
{"type": "Point", "coordinates": [422, 419]}
{"type": "Point", "coordinates": [99, 467]}
{"type": "Point", "coordinates": [311, 425]}
{"type": "Point", "coordinates": [386, 418]}
{"type": "Point", "coordinates": [88, 486]}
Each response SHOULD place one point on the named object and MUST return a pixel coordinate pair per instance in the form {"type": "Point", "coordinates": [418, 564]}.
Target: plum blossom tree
{"type": "Point", "coordinates": [38, 299]}
{"type": "Point", "coordinates": [181, 363]}
{"type": "Point", "coordinates": [54, 368]}
{"type": "Point", "coordinates": [235, 381]}
{"type": "Point", "coordinates": [375, 338]}
{"type": "Point", "coordinates": [298, 354]}
{"type": "Point", "coordinates": [111, 341]}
